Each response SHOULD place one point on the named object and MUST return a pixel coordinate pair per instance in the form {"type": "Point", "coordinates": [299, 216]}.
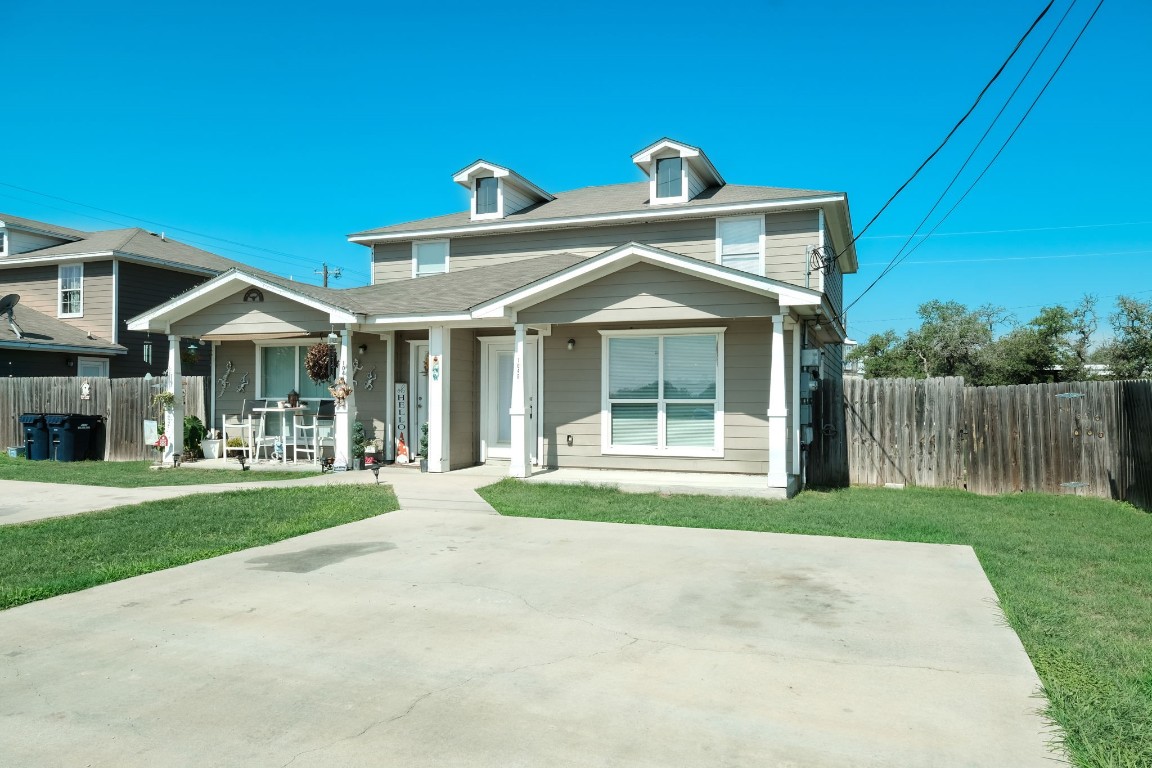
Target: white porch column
{"type": "Point", "coordinates": [342, 426]}
{"type": "Point", "coordinates": [174, 416]}
{"type": "Point", "coordinates": [439, 397]}
{"type": "Point", "coordinates": [390, 399]}
{"type": "Point", "coordinates": [777, 410]}
{"type": "Point", "coordinates": [796, 395]}
{"type": "Point", "coordinates": [520, 466]}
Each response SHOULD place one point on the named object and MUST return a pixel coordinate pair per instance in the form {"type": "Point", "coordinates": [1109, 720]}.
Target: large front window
{"type": "Point", "coordinates": [71, 290]}
{"type": "Point", "coordinates": [662, 393]}
{"type": "Point", "coordinates": [282, 370]}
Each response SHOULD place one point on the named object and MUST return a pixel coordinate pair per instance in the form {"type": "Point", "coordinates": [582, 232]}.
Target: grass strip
{"type": "Point", "coordinates": [130, 474]}
{"type": "Point", "coordinates": [52, 557]}
{"type": "Point", "coordinates": [1074, 577]}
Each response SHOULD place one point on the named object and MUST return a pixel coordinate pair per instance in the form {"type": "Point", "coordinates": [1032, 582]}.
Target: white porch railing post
{"type": "Point", "coordinates": [342, 423]}
{"type": "Point", "coordinates": [518, 412]}
{"type": "Point", "coordinates": [777, 410]}
{"type": "Point", "coordinates": [439, 397]}
{"type": "Point", "coordinates": [390, 398]}
{"type": "Point", "coordinates": [174, 416]}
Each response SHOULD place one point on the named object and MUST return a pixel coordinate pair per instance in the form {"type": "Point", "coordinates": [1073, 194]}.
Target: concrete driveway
{"type": "Point", "coordinates": [436, 636]}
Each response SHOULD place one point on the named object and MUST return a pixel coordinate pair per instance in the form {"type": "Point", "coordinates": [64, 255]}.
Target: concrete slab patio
{"type": "Point", "coordinates": [443, 635]}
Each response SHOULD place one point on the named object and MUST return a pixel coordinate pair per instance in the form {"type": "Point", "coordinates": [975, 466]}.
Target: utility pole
{"type": "Point", "coordinates": [334, 273]}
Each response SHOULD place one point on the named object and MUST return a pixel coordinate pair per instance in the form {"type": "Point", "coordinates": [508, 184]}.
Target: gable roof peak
{"type": "Point", "coordinates": [483, 168]}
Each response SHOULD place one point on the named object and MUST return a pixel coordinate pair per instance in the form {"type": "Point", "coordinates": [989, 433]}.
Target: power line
{"type": "Point", "coordinates": [161, 225]}
{"type": "Point", "coordinates": [1021, 258]}
{"type": "Point", "coordinates": [988, 166]}
{"type": "Point", "coordinates": [1026, 229]}
{"type": "Point", "coordinates": [955, 128]}
{"type": "Point", "coordinates": [895, 260]}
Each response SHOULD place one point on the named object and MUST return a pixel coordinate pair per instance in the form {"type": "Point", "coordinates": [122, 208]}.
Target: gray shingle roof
{"type": "Point", "coordinates": [138, 242]}
{"type": "Point", "coordinates": [44, 332]}
{"type": "Point", "coordinates": [613, 198]}
{"type": "Point", "coordinates": [20, 222]}
{"type": "Point", "coordinates": [456, 291]}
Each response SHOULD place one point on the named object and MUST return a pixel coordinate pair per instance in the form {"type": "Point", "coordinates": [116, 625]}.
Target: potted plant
{"type": "Point", "coordinates": [424, 447]}
{"type": "Point", "coordinates": [358, 442]}
{"type": "Point", "coordinates": [320, 362]}
{"type": "Point", "coordinates": [212, 446]}
{"type": "Point", "coordinates": [194, 434]}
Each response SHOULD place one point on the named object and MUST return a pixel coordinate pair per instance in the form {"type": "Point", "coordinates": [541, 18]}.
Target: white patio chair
{"type": "Point", "coordinates": [261, 440]}
{"type": "Point", "coordinates": [304, 426]}
{"type": "Point", "coordinates": [238, 426]}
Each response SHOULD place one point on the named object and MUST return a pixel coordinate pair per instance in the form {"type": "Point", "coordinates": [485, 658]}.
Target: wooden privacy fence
{"type": "Point", "coordinates": [1092, 438]}
{"type": "Point", "coordinates": [124, 404]}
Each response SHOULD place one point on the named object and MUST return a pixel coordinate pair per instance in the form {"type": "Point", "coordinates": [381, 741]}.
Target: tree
{"type": "Point", "coordinates": [1129, 354]}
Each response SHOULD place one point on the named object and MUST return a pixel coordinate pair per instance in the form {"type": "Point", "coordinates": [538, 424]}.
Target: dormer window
{"type": "Point", "coordinates": [669, 177]}
{"type": "Point", "coordinates": [487, 195]}
{"type": "Point", "coordinates": [677, 173]}
{"type": "Point", "coordinates": [497, 192]}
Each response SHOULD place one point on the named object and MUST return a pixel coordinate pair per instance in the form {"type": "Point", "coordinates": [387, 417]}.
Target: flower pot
{"type": "Point", "coordinates": [423, 465]}
{"type": "Point", "coordinates": [213, 449]}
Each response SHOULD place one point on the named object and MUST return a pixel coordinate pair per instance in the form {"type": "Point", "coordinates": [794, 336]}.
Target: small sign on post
{"type": "Point", "coordinates": [402, 436]}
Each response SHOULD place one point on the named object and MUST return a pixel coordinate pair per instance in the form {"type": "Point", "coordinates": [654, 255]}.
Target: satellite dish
{"type": "Point", "coordinates": [6, 305]}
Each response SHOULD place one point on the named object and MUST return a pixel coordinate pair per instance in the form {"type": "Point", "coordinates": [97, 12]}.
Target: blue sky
{"type": "Point", "coordinates": [288, 125]}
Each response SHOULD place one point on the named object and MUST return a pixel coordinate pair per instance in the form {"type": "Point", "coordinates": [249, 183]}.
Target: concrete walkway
{"type": "Point", "coordinates": [445, 635]}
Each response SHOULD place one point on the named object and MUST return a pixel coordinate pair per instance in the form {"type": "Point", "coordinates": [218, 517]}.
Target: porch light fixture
{"type": "Point", "coordinates": [571, 344]}
{"type": "Point", "coordinates": [362, 348]}
{"type": "Point", "coordinates": [192, 347]}
{"type": "Point", "coordinates": [333, 339]}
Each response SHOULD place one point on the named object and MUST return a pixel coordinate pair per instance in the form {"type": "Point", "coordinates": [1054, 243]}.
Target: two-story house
{"type": "Point", "coordinates": [77, 289]}
{"type": "Point", "coordinates": [669, 324]}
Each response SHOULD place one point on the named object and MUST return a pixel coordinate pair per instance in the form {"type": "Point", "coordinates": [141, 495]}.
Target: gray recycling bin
{"type": "Point", "coordinates": [70, 435]}
{"type": "Point", "coordinates": [36, 439]}
{"type": "Point", "coordinates": [96, 438]}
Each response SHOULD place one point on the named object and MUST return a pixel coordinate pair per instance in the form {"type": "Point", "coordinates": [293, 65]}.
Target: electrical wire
{"type": "Point", "coordinates": [955, 128]}
{"type": "Point", "coordinates": [988, 166]}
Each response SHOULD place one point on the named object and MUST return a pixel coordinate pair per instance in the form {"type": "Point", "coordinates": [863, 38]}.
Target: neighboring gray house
{"type": "Point", "coordinates": [78, 288]}
{"type": "Point", "coordinates": [670, 324]}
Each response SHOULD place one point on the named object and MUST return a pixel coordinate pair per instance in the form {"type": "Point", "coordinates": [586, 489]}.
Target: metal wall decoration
{"type": "Point", "coordinates": [254, 294]}
{"type": "Point", "coordinates": [370, 380]}
{"type": "Point", "coordinates": [356, 368]}
{"type": "Point", "coordinates": [228, 369]}
{"type": "Point", "coordinates": [242, 385]}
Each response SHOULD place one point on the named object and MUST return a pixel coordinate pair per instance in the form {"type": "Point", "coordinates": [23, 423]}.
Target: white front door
{"type": "Point", "coordinates": [91, 367]}
{"type": "Point", "coordinates": [418, 394]}
{"type": "Point", "coordinates": [496, 363]}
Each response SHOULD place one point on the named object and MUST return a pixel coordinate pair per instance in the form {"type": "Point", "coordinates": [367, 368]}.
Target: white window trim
{"type": "Point", "coordinates": [299, 344]}
{"type": "Point", "coordinates": [606, 447]}
{"type": "Point", "coordinates": [499, 213]}
{"type": "Point", "coordinates": [5, 241]}
{"type": "Point", "coordinates": [763, 240]}
{"type": "Point", "coordinates": [60, 290]}
{"type": "Point", "coordinates": [683, 196]}
{"type": "Point", "coordinates": [447, 255]}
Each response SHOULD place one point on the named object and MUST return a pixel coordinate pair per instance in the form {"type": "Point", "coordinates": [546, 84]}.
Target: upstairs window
{"type": "Point", "coordinates": [486, 195]}
{"type": "Point", "coordinates": [71, 279]}
{"type": "Point", "coordinates": [669, 177]}
{"type": "Point", "coordinates": [429, 257]}
{"type": "Point", "coordinates": [738, 243]}
{"type": "Point", "coordinates": [3, 242]}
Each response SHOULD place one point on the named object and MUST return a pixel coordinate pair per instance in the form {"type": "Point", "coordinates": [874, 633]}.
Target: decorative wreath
{"type": "Point", "coordinates": [320, 362]}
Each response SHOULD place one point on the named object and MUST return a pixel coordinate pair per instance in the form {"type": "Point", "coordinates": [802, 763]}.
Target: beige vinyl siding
{"type": "Point", "coordinates": [39, 289]}
{"type": "Point", "coordinates": [371, 404]}
{"type": "Point", "coordinates": [275, 314]}
{"type": "Point", "coordinates": [230, 401]}
{"type": "Point", "coordinates": [142, 288]}
{"type": "Point", "coordinates": [786, 240]}
{"type": "Point", "coordinates": [572, 402]}
{"type": "Point", "coordinates": [696, 238]}
{"type": "Point", "coordinates": [648, 292]}
{"type": "Point", "coordinates": [514, 198]}
{"type": "Point", "coordinates": [23, 242]}
{"type": "Point", "coordinates": [463, 388]}
{"type": "Point", "coordinates": [695, 184]}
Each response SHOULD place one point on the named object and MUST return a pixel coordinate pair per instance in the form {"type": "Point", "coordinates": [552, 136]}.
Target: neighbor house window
{"type": "Point", "coordinates": [71, 290]}
{"type": "Point", "coordinates": [3, 243]}
{"type": "Point", "coordinates": [486, 195]}
{"type": "Point", "coordinates": [662, 393]}
{"type": "Point", "coordinates": [429, 257]}
{"type": "Point", "coordinates": [669, 177]}
{"type": "Point", "coordinates": [738, 243]}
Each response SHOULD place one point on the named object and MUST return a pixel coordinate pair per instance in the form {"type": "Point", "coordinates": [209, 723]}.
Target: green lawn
{"type": "Point", "coordinates": [51, 557]}
{"type": "Point", "coordinates": [1074, 576]}
{"type": "Point", "coordinates": [129, 474]}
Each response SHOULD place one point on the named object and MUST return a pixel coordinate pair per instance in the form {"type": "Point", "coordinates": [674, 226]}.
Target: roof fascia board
{"type": "Point", "coordinates": [454, 320]}
{"type": "Point", "coordinates": [626, 256]}
{"type": "Point", "coordinates": [38, 231]}
{"type": "Point", "coordinates": [696, 211]}
{"type": "Point", "coordinates": [207, 294]}
{"type": "Point", "coordinates": [28, 261]}
{"type": "Point", "coordinates": [62, 348]}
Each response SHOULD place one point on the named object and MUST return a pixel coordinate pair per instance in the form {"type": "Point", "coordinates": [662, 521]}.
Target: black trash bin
{"type": "Point", "coordinates": [96, 438]}
{"type": "Point", "coordinates": [70, 433]}
{"type": "Point", "coordinates": [36, 441]}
